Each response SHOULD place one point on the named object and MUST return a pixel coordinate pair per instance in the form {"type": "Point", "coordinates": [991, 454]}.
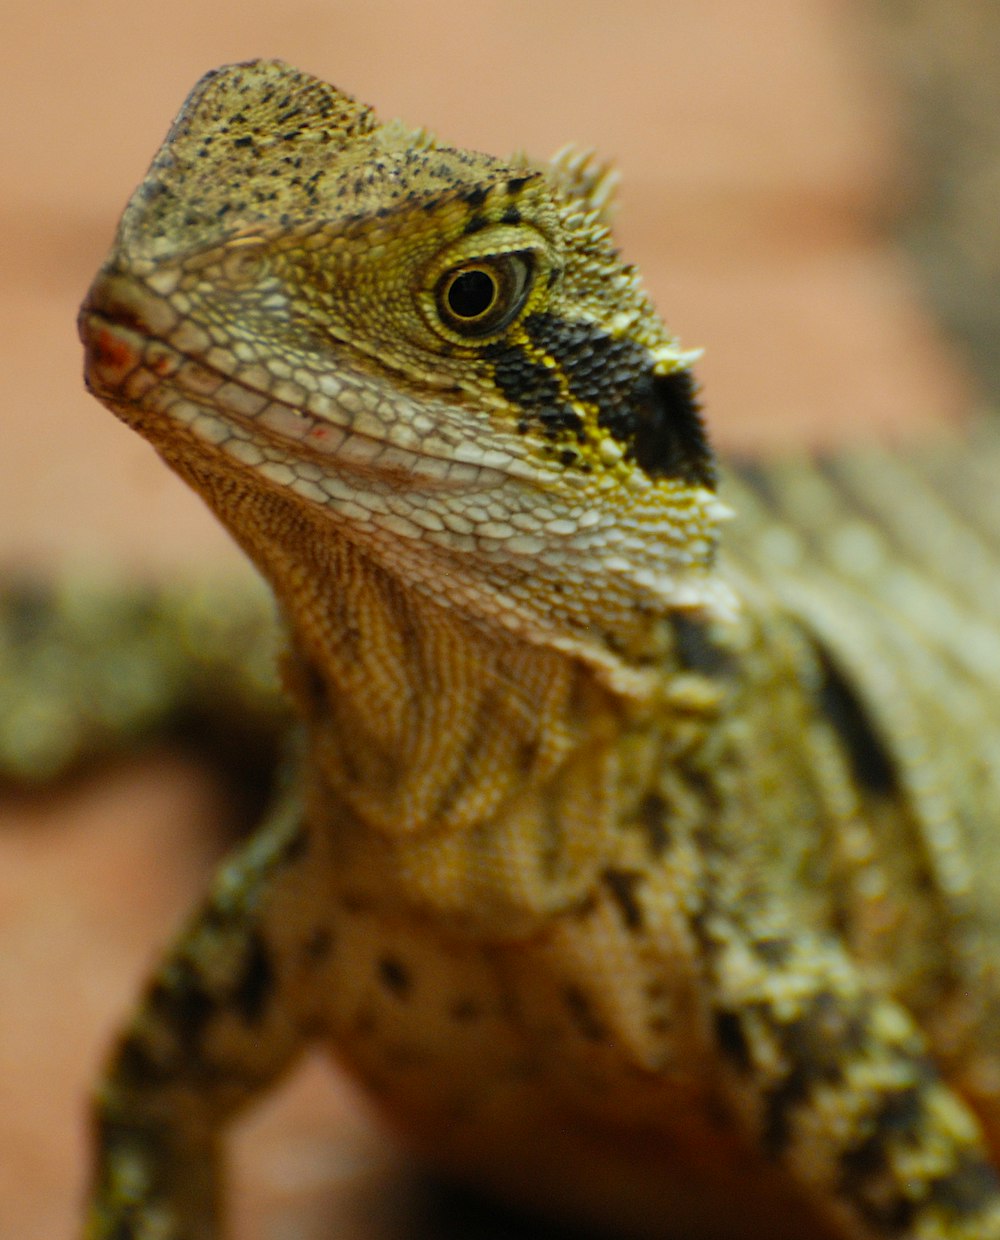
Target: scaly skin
{"type": "Point", "coordinates": [638, 888]}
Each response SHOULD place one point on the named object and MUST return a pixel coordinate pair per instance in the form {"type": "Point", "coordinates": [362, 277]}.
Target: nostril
{"type": "Point", "coordinates": [124, 315]}
{"type": "Point", "coordinates": [125, 299]}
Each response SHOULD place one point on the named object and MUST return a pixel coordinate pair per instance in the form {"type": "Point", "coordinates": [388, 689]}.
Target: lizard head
{"type": "Point", "coordinates": [439, 351]}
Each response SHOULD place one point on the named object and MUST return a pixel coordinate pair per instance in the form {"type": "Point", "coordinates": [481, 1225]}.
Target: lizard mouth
{"type": "Point", "coordinates": [144, 363]}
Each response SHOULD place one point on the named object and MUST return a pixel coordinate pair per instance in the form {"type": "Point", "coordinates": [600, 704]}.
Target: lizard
{"type": "Point", "coordinates": [638, 857]}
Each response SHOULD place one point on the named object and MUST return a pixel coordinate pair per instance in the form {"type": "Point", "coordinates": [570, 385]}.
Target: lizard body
{"type": "Point", "coordinates": [636, 885]}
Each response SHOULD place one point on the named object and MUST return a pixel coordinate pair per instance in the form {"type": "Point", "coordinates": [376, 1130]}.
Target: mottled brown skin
{"type": "Point", "coordinates": [648, 889]}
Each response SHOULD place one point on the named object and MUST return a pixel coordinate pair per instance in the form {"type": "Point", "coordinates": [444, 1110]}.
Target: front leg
{"type": "Point", "coordinates": [836, 1082]}
{"type": "Point", "coordinates": [220, 1020]}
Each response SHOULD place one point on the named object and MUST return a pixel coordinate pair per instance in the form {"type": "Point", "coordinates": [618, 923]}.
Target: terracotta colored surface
{"type": "Point", "coordinates": [756, 151]}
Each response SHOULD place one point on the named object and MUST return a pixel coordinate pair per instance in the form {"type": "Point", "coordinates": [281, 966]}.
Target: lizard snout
{"type": "Point", "coordinates": [120, 323]}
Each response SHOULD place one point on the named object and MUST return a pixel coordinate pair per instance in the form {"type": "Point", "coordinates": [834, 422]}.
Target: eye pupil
{"type": "Point", "coordinates": [481, 296]}
{"type": "Point", "coordinates": [471, 294]}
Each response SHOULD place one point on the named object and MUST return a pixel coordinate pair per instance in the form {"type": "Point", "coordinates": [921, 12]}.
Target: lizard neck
{"type": "Point", "coordinates": [419, 718]}
{"type": "Point", "coordinates": [422, 718]}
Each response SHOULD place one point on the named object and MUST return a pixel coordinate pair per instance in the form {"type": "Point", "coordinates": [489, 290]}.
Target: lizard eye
{"type": "Point", "coordinates": [481, 297]}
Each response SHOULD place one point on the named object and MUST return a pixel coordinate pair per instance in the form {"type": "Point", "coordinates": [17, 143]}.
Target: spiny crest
{"type": "Point", "coordinates": [591, 181]}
